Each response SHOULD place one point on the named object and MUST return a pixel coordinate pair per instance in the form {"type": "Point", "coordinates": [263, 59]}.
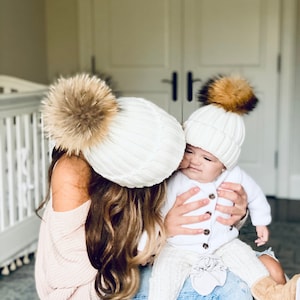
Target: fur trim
{"type": "Point", "coordinates": [77, 112]}
{"type": "Point", "coordinates": [233, 93]}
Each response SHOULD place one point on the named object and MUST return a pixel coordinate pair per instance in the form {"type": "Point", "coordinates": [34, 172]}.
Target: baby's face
{"type": "Point", "coordinates": [200, 165]}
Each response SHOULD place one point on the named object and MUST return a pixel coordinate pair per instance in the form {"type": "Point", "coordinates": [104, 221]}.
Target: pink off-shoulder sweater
{"type": "Point", "coordinates": [62, 269]}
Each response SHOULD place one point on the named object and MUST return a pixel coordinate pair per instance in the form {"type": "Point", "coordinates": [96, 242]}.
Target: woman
{"type": "Point", "coordinates": [106, 186]}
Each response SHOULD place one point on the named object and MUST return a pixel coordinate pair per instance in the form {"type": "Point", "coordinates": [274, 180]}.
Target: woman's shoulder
{"type": "Point", "coordinates": [69, 183]}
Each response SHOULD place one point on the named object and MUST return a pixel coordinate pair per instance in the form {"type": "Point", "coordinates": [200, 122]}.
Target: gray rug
{"type": "Point", "coordinates": [19, 285]}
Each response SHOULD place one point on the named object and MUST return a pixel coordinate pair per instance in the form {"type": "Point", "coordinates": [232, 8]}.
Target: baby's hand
{"type": "Point", "coordinates": [262, 234]}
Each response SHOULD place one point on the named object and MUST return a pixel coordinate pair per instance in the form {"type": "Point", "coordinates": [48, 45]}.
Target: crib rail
{"type": "Point", "coordinates": [24, 159]}
{"type": "Point", "coordinates": [10, 84]}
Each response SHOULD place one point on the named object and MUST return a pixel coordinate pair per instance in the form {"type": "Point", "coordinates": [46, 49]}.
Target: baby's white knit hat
{"type": "Point", "coordinates": [218, 126]}
{"type": "Point", "coordinates": [130, 141]}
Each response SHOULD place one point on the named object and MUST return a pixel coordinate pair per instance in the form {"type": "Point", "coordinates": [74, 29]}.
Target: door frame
{"type": "Point", "coordinates": [286, 95]}
{"type": "Point", "coordinates": [285, 89]}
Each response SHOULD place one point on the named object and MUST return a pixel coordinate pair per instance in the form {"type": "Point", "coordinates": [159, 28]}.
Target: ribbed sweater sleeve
{"type": "Point", "coordinates": [63, 270]}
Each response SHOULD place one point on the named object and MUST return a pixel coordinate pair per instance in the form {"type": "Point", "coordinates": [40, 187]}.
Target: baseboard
{"type": "Point", "coordinates": [294, 189]}
{"type": "Point", "coordinates": [16, 238]}
{"type": "Point", "coordinates": [285, 210]}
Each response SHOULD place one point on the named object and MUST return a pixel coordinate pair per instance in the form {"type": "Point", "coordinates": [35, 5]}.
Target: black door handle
{"type": "Point", "coordinates": [190, 82]}
{"type": "Point", "coordinates": [173, 81]}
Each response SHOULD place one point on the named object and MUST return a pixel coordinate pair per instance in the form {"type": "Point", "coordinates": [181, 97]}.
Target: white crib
{"type": "Point", "coordinates": [24, 159]}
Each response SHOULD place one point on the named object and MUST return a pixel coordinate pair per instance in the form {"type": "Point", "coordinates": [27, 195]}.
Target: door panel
{"type": "Point", "coordinates": [233, 37]}
{"type": "Point", "coordinates": [140, 43]}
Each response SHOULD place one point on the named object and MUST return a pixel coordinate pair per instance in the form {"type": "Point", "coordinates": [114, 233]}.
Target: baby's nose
{"type": "Point", "coordinates": [198, 159]}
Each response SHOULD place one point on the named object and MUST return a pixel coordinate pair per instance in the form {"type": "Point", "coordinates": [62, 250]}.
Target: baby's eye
{"type": "Point", "coordinates": [207, 158]}
{"type": "Point", "coordinates": [188, 151]}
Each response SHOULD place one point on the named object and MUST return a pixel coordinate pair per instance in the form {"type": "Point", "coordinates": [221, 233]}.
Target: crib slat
{"type": "Point", "coordinates": [37, 143]}
{"type": "Point", "coordinates": [28, 165]}
{"type": "Point", "coordinates": [3, 185]}
{"type": "Point", "coordinates": [11, 163]}
{"type": "Point", "coordinates": [19, 145]}
{"type": "Point", "coordinates": [46, 157]}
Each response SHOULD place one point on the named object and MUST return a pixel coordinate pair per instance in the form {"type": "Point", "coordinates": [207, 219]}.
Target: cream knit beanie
{"type": "Point", "coordinates": [218, 126]}
{"type": "Point", "coordinates": [130, 141]}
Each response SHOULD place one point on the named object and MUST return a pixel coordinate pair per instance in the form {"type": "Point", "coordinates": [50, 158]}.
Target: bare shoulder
{"type": "Point", "coordinates": [69, 184]}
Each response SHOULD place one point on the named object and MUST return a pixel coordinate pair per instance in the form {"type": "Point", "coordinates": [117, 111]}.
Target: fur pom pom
{"type": "Point", "coordinates": [77, 112]}
{"type": "Point", "coordinates": [233, 93]}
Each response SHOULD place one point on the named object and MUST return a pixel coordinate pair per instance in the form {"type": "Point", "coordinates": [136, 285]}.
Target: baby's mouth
{"type": "Point", "coordinates": [195, 169]}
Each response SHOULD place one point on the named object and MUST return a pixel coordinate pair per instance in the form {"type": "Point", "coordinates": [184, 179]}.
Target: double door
{"type": "Point", "coordinates": [163, 50]}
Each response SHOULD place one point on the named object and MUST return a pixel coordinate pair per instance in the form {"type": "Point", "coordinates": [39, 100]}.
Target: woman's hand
{"type": "Point", "coordinates": [176, 215]}
{"type": "Point", "coordinates": [236, 193]}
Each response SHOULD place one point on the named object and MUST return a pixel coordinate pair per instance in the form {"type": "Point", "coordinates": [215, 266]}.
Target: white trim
{"type": "Point", "coordinates": [17, 238]}
{"type": "Point", "coordinates": [286, 88]}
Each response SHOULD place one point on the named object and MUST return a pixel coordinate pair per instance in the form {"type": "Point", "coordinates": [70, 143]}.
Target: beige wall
{"type": "Point", "coordinates": [38, 38]}
{"type": "Point", "coordinates": [62, 37]}
{"type": "Point", "coordinates": [22, 39]}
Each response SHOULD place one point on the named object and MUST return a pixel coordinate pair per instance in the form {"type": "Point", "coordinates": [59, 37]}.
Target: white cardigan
{"type": "Point", "coordinates": [219, 234]}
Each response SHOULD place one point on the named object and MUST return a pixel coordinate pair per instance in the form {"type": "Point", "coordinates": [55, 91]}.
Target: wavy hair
{"type": "Point", "coordinates": [116, 220]}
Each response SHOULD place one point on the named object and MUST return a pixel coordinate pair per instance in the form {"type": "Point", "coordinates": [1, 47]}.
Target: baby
{"type": "Point", "coordinates": [214, 136]}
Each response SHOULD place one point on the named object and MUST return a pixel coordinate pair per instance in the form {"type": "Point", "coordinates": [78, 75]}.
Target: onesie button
{"type": "Point", "coordinates": [205, 246]}
{"type": "Point", "coordinates": [231, 227]}
{"type": "Point", "coordinates": [208, 212]}
{"type": "Point", "coordinates": [206, 231]}
{"type": "Point", "coordinates": [211, 196]}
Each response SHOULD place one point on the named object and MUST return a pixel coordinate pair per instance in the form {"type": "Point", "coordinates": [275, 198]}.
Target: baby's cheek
{"type": "Point", "coordinates": [184, 164]}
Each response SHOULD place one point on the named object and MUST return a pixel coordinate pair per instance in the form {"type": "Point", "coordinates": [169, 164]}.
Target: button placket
{"type": "Point", "coordinates": [206, 232]}
{"type": "Point", "coordinates": [212, 196]}
{"type": "Point", "coordinates": [205, 246]}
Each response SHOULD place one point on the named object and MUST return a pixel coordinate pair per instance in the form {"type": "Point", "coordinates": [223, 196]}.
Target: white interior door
{"type": "Point", "coordinates": [142, 44]}
{"type": "Point", "coordinates": [240, 36]}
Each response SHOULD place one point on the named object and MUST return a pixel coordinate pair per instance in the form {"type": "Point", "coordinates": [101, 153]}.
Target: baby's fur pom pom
{"type": "Point", "coordinates": [233, 93]}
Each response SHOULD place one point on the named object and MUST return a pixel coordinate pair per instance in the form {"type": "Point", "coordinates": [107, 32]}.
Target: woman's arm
{"type": "Point", "coordinates": [63, 269]}
{"type": "Point", "coordinates": [176, 216]}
